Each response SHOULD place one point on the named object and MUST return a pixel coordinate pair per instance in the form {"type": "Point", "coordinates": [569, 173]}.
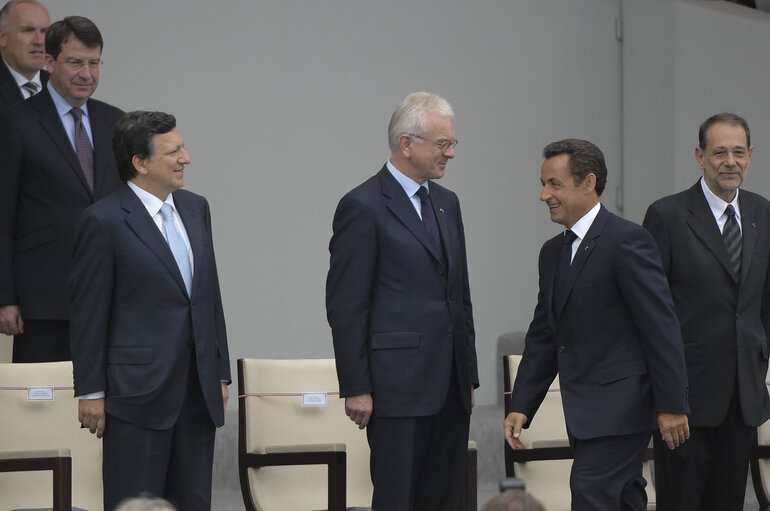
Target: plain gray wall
{"type": "Point", "coordinates": [284, 106]}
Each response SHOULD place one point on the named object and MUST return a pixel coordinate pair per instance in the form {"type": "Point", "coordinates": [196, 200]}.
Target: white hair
{"type": "Point", "coordinates": [410, 115]}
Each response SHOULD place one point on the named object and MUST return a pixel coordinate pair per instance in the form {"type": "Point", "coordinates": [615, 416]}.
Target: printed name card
{"type": "Point", "coordinates": [39, 393]}
{"type": "Point", "coordinates": [314, 399]}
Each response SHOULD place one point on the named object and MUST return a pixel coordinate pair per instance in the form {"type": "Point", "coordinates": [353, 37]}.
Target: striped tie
{"type": "Point", "coordinates": [83, 147]}
{"type": "Point", "coordinates": [732, 236]}
{"type": "Point", "coordinates": [31, 87]}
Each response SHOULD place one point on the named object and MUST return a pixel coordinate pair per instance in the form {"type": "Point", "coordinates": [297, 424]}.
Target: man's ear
{"type": "Point", "coordinates": [405, 144]}
{"type": "Point", "coordinates": [589, 183]}
{"type": "Point", "coordinates": [138, 163]}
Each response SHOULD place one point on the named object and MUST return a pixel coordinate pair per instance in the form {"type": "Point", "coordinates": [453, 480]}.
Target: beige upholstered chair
{"type": "Point", "coordinates": [43, 431]}
{"type": "Point", "coordinates": [303, 457]}
{"type": "Point", "coordinates": [546, 463]}
{"type": "Point", "coordinates": [760, 463]}
{"type": "Point", "coordinates": [6, 348]}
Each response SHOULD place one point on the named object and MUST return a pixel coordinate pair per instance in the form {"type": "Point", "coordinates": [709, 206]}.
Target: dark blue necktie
{"type": "Point", "coordinates": [562, 270]}
{"type": "Point", "coordinates": [429, 220]}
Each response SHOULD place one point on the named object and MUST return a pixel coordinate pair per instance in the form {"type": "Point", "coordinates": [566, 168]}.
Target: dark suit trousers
{"type": "Point", "coordinates": [707, 473]}
{"type": "Point", "coordinates": [175, 464]}
{"type": "Point", "coordinates": [42, 341]}
{"type": "Point", "coordinates": [418, 463]}
{"type": "Point", "coordinates": [607, 473]}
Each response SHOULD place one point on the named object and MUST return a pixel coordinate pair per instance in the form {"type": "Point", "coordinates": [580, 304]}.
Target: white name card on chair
{"type": "Point", "coordinates": [39, 393]}
{"type": "Point", "coordinates": [314, 399]}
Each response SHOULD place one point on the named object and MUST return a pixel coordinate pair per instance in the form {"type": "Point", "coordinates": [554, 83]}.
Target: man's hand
{"type": "Point", "coordinates": [514, 421]}
{"type": "Point", "coordinates": [10, 320]}
{"type": "Point", "coordinates": [674, 428]}
{"type": "Point", "coordinates": [473, 397]}
{"type": "Point", "coordinates": [225, 394]}
{"type": "Point", "coordinates": [91, 415]}
{"type": "Point", "coordinates": [359, 409]}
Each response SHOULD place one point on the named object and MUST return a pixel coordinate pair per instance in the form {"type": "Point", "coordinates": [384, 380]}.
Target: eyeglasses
{"type": "Point", "coordinates": [77, 64]}
{"type": "Point", "coordinates": [721, 153]}
{"type": "Point", "coordinates": [443, 144]}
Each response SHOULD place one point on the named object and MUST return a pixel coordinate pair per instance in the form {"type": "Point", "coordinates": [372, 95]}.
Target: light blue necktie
{"type": "Point", "coordinates": [178, 248]}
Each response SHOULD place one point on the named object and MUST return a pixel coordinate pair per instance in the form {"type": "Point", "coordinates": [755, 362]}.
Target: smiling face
{"type": "Point", "coordinates": [725, 159]}
{"type": "Point", "coordinates": [420, 158]}
{"type": "Point", "coordinates": [22, 38]}
{"type": "Point", "coordinates": [567, 201]}
{"type": "Point", "coordinates": [163, 171]}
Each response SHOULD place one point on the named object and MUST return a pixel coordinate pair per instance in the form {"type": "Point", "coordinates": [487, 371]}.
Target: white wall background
{"type": "Point", "coordinates": [284, 105]}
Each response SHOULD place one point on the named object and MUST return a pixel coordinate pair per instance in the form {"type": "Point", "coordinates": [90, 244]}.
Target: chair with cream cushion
{"type": "Point", "coordinates": [760, 463]}
{"type": "Point", "coordinates": [546, 462]}
{"type": "Point", "coordinates": [39, 430]}
{"type": "Point", "coordinates": [294, 456]}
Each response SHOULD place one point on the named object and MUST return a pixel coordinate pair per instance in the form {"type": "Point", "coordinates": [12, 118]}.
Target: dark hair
{"type": "Point", "coordinates": [724, 118]}
{"type": "Point", "coordinates": [584, 158]}
{"type": "Point", "coordinates": [133, 137]}
{"type": "Point", "coordinates": [82, 28]}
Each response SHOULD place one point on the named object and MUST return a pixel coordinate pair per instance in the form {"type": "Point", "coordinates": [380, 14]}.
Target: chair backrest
{"type": "Point", "coordinates": [46, 424]}
{"type": "Point", "coordinates": [274, 417]}
{"type": "Point", "coordinates": [548, 480]}
{"type": "Point", "coordinates": [760, 461]}
{"type": "Point", "coordinates": [6, 348]}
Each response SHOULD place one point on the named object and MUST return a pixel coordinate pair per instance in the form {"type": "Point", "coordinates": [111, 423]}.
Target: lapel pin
{"type": "Point", "coordinates": [441, 209]}
{"type": "Point", "coordinates": [753, 224]}
{"type": "Point", "coordinates": [585, 248]}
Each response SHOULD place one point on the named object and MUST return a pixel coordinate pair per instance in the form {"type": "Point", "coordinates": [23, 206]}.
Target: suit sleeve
{"type": "Point", "coordinates": [10, 165]}
{"type": "Point", "coordinates": [91, 286]}
{"type": "Point", "coordinates": [219, 312]}
{"type": "Point", "coordinates": [473, 370]}
{"type": "Point", "coordinates": [645, 289]}
{"type": "Point", "coordinates": [353, 259]}
{"type": "Point", "coordinates": [539, 364]}
{"type": "Point", "coordinates": [655, 223]}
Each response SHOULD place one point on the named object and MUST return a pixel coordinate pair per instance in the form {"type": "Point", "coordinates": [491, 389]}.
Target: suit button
{"type": "Point", "coordinates": [450, 301]}
{"type": "Point", "coordinates": [449, 333]}
{"type": "Point", "coordinates": [561, 349]}
{"type": "Point", "coordinates": [439, 270]}
{"type": "Point", "coordinates": [738, 316]}
{"type": "Point", "coordinates": [733, 352]}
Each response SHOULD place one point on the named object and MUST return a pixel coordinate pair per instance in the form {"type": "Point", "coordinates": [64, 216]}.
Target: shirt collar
{"type": "Point", "coordinates": [151, 203]}
{"type": "Point", "coordinates": [61, 104]}
{"type": "Point", "coordinates": [581, 226]}
{"type": "Point", "coordinates": [717, 204]}
{"type": "Point", "coordinates": [21, 79]}
{"type": "Point", "coordinates": [409, 185]}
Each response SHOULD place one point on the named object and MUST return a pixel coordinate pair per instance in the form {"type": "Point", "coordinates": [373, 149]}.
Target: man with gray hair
{"type": "Point", "coordinates": [398, 303]}
{"type": "Point", "coordinates": [22, 45]}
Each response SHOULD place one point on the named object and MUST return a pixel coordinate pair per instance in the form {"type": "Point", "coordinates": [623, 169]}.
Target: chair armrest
{"type": "Point", "coordinates": [35, 454]}
{"type": "Point", "coordinates": [306, 448]}
{"type": "Point", "coordinates": [58, 461]}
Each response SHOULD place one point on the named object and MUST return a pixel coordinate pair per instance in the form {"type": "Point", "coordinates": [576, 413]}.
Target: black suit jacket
{"type": "Point", "coordinates": [9, 91]}
{"type": "Point", "coordinates": [725, 323]}
{"type": "Point", "coordinates": [616, 343]}
{"type": "Point", "coordinates": [133, 327]}
{"type": "Point", "coordinates": [399, 318]}
{"type": "Point", "coordinates": [42, 192]}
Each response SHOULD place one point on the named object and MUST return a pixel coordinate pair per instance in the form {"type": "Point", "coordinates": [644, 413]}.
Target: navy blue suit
{"type": "Point", "coordinates": [403, 330]}
{"type": "Point", "coordinates": [615, 345]}
{"type": "Point", "coordinates": [138, 336]}
{"type": "Point", "coordinates": [42, 192]}
{"type": "Point", "coordinates": [10, 94]}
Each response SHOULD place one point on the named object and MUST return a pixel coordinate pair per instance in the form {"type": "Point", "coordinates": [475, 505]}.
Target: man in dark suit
{"type": "Point", "coordinates": [715, 249]}
{"type": "Point", "coordinates": [22, 45]}
{"type": "Point", "coordinates": [398, 303]}
{"type": "Point", "coordinates": [55, 161]}
{"type": "Point", "coordinates": [604, 321]}
{"type": "Point", "coordinates": [149, 347]}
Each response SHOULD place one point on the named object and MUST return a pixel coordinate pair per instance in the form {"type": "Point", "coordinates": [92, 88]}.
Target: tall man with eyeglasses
{"type": "Point", "coordinates": [714, 241]}
{"type": "Point", "coordinates": [55, 161]}
{"type": "Point", "coordinates": [398, 303]}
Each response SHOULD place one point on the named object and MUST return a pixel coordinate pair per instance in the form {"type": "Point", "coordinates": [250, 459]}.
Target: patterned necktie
{"type": "Point", "coordinates": [562, 270]}
{"type": "Point", "coordinates": [83, 147]}
{"type": "Point", "coordinates": [177, 245]}
{"type": "Point", "coordinates": [429, 220]}
{"type": "Point", "coordinates": [31, 88]}
{"type": "Point", "coordinates": [732, 236]}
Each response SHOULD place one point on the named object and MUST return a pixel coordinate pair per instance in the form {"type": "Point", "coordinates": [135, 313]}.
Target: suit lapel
{"type": "Point", "coordinates": [587, 245]}
{"type": "Point", "coordinates": [438, 199]}
{"type": "Point", "coordinates": [194, 228]}
{"type": "Point", "coordinates": [704, 226]}
{"type": "Point", "coordinates": [403, 209]}
{"type": "Point", "coordinates": [146, 230]}
{"type": "Point", "coordinates": [749, 232]}
{"type": "Point", "coordinates": [52, 124]}
{"type": "Point", "coordinates": [102, 145]}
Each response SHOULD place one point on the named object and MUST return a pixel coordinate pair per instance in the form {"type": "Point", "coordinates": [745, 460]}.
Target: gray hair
{"type": "Point", "coordinates": [410, 115]}
{"type": "Point", "coordinates": [7, 8]}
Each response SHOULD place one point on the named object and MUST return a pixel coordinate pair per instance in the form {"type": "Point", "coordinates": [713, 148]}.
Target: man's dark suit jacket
{"type": "Point", "coordinates": [9, 90]}
{"type": "Point", "coordinates": [133, 327]}
{"type": "Point", "coordinates": [616, 343]}
{"type": "Point", "coordinates": [399, 318]}
{"type": "Point", "coordinates": [725, 324]}
{"type": "Point", "coordinates": [42, 192]}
